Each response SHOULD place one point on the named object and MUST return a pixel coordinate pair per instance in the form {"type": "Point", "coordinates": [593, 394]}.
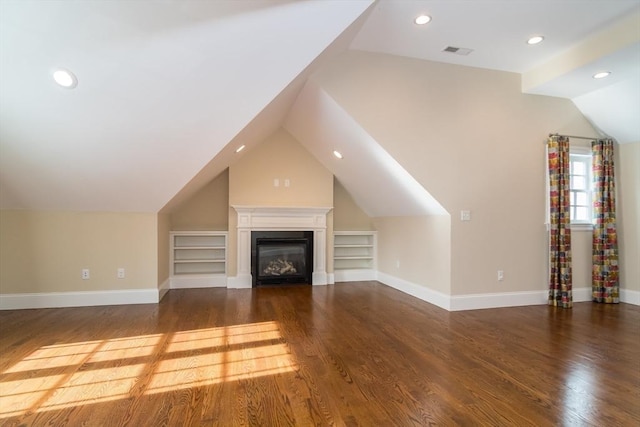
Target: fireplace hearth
{"type": "Point", "coordinates": [281, 257]}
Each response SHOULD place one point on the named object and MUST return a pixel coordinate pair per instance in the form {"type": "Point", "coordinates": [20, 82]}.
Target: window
{"type": "Point", "coordinates": [581, 187]}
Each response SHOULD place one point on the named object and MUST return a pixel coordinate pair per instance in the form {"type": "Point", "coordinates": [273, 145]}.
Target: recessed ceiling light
{"type": "Point", "coordinates": [535, 40]}
{"type": "Point", "coordinates": [239, 149]}
{"type": "Point", "coordinates": [601, 75]}
{"type": "Point", "coordinates": [337, 154]}
{"type": "Point", "coordinates": [422, 19]}
{"type": "Point", "coordinates": [65, 78]}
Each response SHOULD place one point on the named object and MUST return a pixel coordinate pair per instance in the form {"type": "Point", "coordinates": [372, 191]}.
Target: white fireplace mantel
{"type": "Point", "coordinates": [270, 218]}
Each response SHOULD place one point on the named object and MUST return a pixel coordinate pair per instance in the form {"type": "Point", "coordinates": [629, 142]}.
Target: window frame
{"type": "Point", "coordinates": [575, 225]}
{"type": "Point", "coordinates": [583, 155]}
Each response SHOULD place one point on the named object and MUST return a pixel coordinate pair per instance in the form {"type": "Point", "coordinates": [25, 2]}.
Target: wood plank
{"type": "Point", "coordinates": [346, 354]}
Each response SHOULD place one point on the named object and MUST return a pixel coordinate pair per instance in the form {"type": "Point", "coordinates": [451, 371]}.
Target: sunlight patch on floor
{"type": "Point", "coordinates": [65, 375]}
{"type": "Point", "coordinates": [203, 370]}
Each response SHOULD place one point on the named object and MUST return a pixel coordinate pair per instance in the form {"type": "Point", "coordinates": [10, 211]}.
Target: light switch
{"type": "Point", "coordinates": [465, 215]}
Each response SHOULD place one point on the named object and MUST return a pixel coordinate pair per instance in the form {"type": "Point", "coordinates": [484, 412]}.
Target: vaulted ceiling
{"type": "Point", "coordinates": [168, 89]}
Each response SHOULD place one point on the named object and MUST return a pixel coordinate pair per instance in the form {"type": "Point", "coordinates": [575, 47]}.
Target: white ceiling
{"type": "Point", "coordinates": [582, 37]}
{"type": "Point", "coordinates": [167, 88]}
{"type": "Point", "coordinates": [497, 30]}
{"type": "Point", "coordinates": [163, 87]}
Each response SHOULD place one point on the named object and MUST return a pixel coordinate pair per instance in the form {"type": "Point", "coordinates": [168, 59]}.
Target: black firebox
{"type": "Point", "coordinates": [281, 257]}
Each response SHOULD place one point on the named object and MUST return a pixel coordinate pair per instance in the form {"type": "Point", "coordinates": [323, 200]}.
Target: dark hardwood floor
{"type": "Point", "coordinates": [350, 354]}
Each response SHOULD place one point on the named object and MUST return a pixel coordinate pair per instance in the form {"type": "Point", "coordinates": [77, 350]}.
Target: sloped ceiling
{"type": "Point", "coordinates": [383, 187]}
{"type": "Point", "coordinates": [163, 87]}
{"type": "Point", "coordinates": [168, 89]}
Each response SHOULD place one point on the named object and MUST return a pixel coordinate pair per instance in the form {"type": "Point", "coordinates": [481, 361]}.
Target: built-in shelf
{"type": "Point", "coordinates": [198, 259]}
{"type": "Point", "coordinates": [354, 255]}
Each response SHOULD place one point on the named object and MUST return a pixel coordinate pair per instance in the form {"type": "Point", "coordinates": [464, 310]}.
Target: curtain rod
{"type": "Point", "coordinates": [576, 137]}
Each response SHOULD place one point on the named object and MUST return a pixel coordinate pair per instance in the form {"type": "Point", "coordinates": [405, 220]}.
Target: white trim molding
{"type": "Point", "coordinates": [518, 299]}
{"type": "Point", "coordinates": [581, 294]}
{"type": "Point", "coordinates": [79, 299]}
{"type": "Point", "coordinates": [422, 292]}
{"type": "Point", "coordinates": [192, 281]}
{"type": "Point", "coordinates": [498, 300]}
{"type": "Point", "coordinates": [331, 279]}
{"type": "Point", "coordinates": [356, 275]}
{"type": "Point", "coordinates": [629, 296]}
{"type": "Point", "coordinates": [239, 282]}
{"type": "Point", "coordinates": [478, 301]}
{"type": "Point", "coordinates": [270, 218]}
{"type": "Point", "coordinates": [164, 288]}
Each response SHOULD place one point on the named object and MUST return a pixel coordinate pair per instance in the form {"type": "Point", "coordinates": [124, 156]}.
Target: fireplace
{"type": "Point", "coordinates": [261, 218]}
{"type": "Point", "coordinates": [281, 257]}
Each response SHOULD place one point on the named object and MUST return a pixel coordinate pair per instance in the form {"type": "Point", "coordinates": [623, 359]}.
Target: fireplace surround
{"type": "Point", "coordinates": [259, 218]}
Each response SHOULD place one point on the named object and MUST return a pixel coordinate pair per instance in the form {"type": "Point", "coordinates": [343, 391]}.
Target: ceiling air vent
{"type": "Point", "coordinates": [457, 50]}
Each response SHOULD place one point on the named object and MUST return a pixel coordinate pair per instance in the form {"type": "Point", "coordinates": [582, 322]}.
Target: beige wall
{"type": "Point", "coordinates": [208, 209]}
{"type": "Point", "coordinates": [46, 251]}
{"type": "Point", "coordinates": [416, 249]}
{"type": "Point", "coordinates": [251, 182]}
{"type": "Point", "coordinates": [469, 136]}
{"type": "Point", "coordinates": [347, 215]}
{"type": "Point", "coordinates": [280, 157]}
{"type": "Point", "coordinates": [475, 142]}
{"type": "Point", "coordinates": [628, 214]}
{"type": "Point", "coordinates": [164, 226]}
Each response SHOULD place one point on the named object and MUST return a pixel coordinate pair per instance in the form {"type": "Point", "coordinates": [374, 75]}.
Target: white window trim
{"type": "Point", "coordinates": [585, 225]}
{"type": "Point", "coordinates": [575, 226]}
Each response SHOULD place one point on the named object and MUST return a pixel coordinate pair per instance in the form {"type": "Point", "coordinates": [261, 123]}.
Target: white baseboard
{"type": "Point", "coordinates": [477, 301]}
{"type": "Point", "coordinates": [355, 275]}
{"type": "Point", "coordinates": [418, 291]}
{"type": "Point", "coordinates": [497, 300]}
{"type": "Point", "coordinates": [164, 288]}
{"type": "Point", "coordinates": [582, 294]}
{"type": "Point", "coordinates": [319, 279]}
{"type": "Point", "coordinates": [198, 281]}
{"type": "Point", "coordinates": [240, 282]}
{"type": "Point", "coordinates": [630, 297]}
{"type": "Point", "coordinates": [511, 299]}
{"type": "Point", "coordinates": [78, 299]}
{"type": "Point", "coordinates": [626, 295]}
{"type": "Point", "coordinates": [153, 296]}
{"type": "Point", "coordinates": [331, 279]}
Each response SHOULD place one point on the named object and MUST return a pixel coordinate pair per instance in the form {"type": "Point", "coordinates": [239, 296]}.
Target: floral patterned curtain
{"type": "Point", "coordinates": [560, 293]}
{"type": "Point", "coordinates": [605, 285]}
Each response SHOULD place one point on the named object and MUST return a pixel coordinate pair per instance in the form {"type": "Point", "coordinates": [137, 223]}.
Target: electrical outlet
{"type": "Point", "coordinates": [85, 274]}
{"type": "Point", "coordinates": [465, 215]}
{"type": "Point", "coordinates": [287, 182]}
{"type": "Point", "coordinates": [276, 182]}
{"type": "Point", "coordinates": [500, 275]}
{"type": "Point", "coordinates": [121, 273]}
